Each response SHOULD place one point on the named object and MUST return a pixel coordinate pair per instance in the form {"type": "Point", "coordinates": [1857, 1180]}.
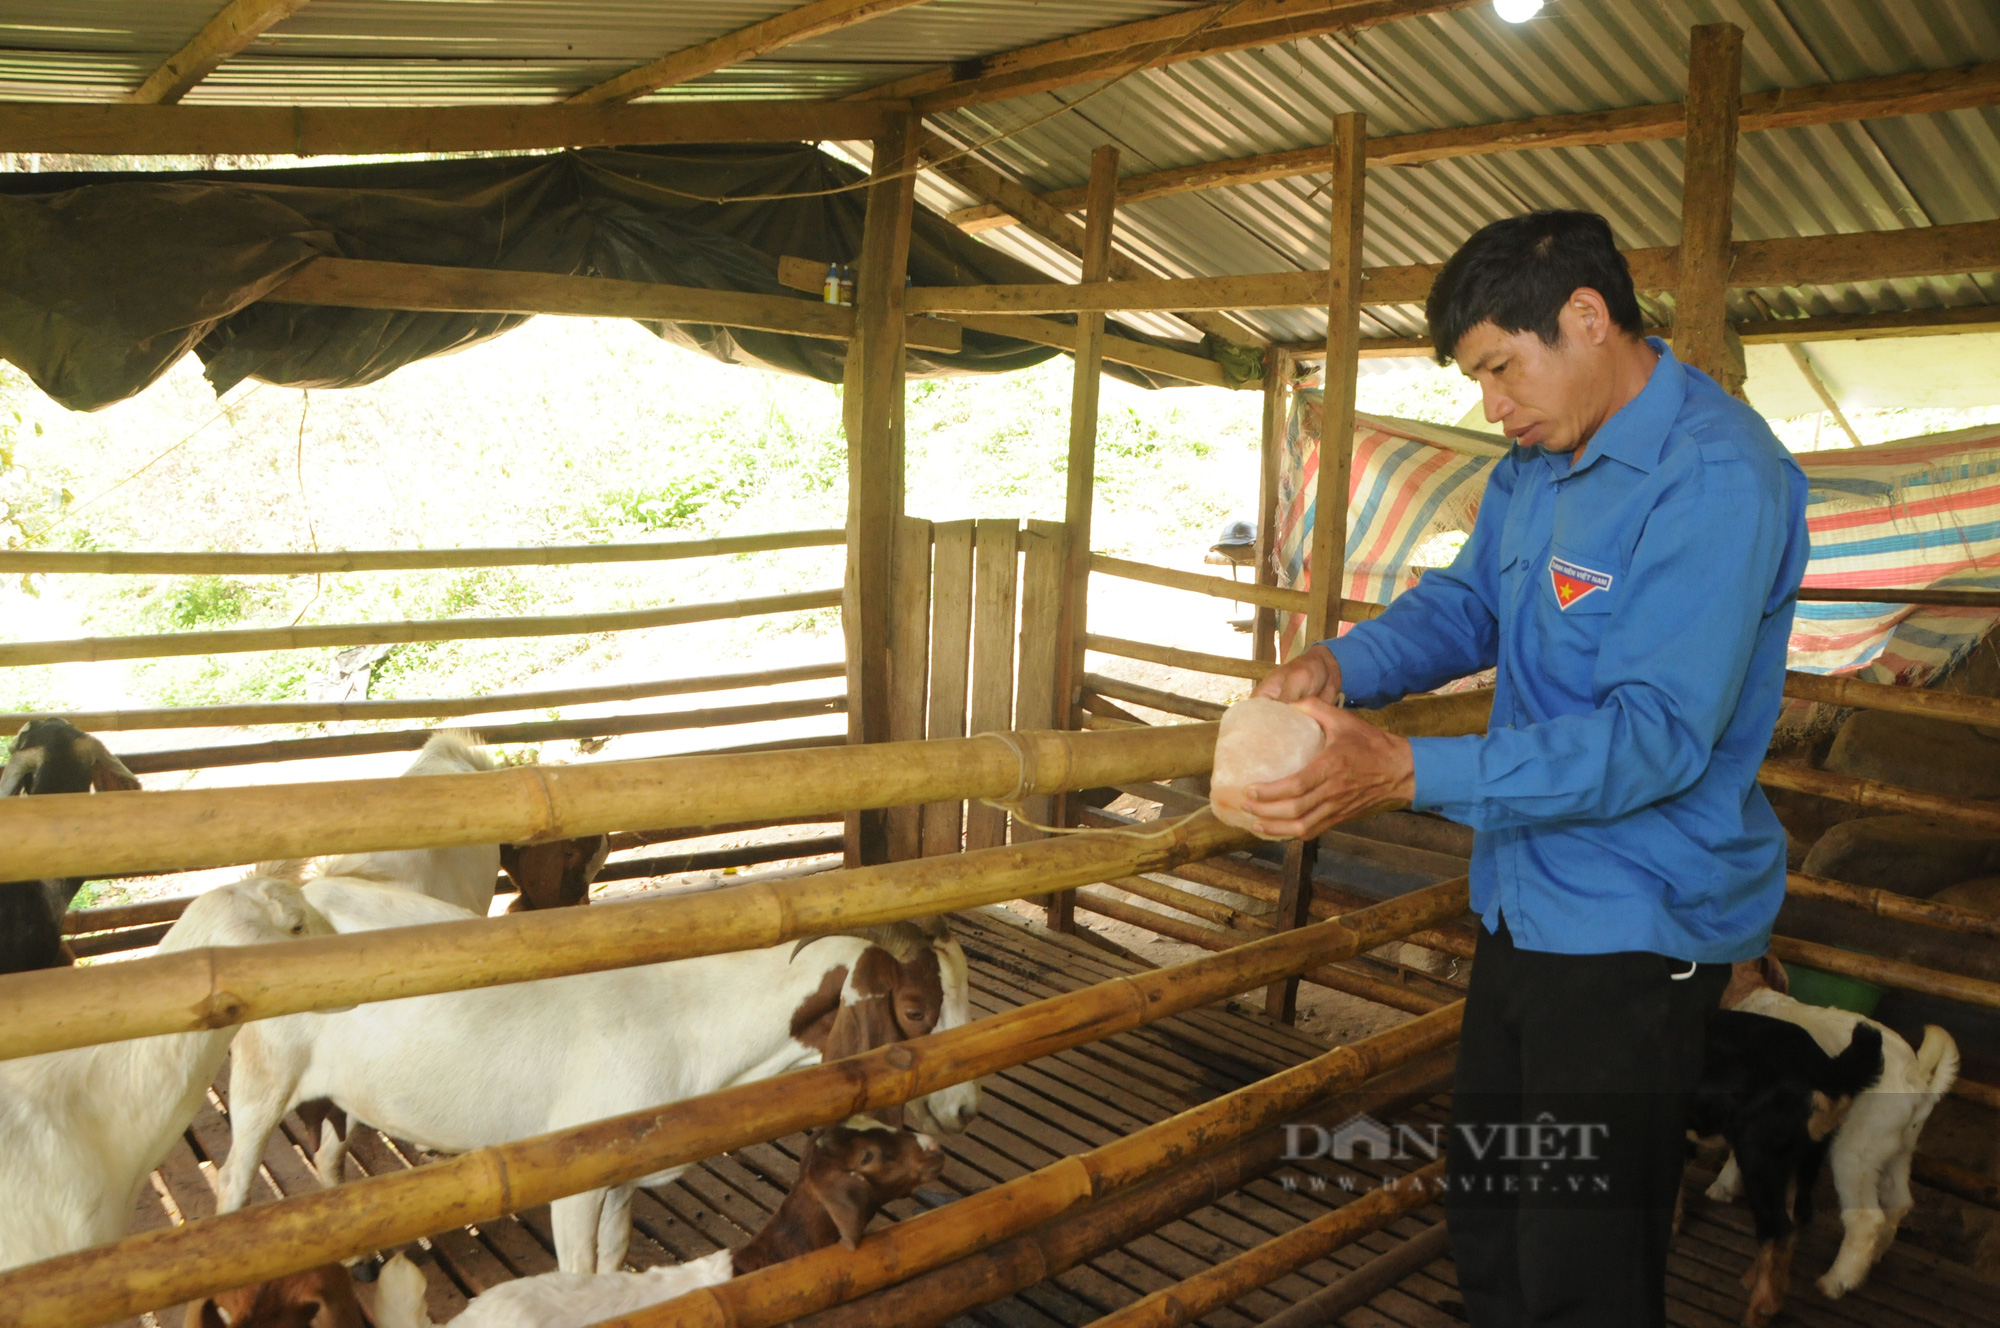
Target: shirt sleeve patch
{"type": "Point", "coordinates": [1572, 581]}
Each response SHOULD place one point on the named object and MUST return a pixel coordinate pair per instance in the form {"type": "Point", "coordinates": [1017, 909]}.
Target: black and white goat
{"type": "Point", "coordinates": [49, 756]}
{"type": "Point", "coordinates": [1769, 1090]}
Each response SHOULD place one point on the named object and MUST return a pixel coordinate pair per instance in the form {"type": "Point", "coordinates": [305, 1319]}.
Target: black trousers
{"type": "Point", "coordinates": [1568, 1140]}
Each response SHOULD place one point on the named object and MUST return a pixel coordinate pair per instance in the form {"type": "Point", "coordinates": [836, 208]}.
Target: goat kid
{"type": "Point", "coordinates": [1871, 1150]}
{"type": "Point", "coordinates": [49, 756]}
{"type": "Point", "coordinates": [556, 874]}
{"type": "Point", "coordinates": [85, 1126]}
{"type": "Point", "coordinates": [321, 1297]}
{"type": "Point", "coordinates": [1770, 1091]}
{"type": "Point", "coordinates": [848, 1174]}
{"type": "Point", "coordinates": [462, 1070]}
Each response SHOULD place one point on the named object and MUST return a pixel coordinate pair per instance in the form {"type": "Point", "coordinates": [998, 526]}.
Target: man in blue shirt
{"type": "Point", "coordinates": [1631, 576]}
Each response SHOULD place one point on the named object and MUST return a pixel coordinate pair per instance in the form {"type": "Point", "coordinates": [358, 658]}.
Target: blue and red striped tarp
{"type": "Point", "coordinates": [1921, 512]}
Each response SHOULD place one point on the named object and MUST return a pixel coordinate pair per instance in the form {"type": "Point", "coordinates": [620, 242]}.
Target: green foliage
{"type": "Point", "coordinates": [200, 602]}
{"type": "Point", "coordinates": [670, 505]}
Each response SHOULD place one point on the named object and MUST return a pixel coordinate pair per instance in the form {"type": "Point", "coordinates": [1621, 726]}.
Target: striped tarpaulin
{"type": "Point", "coordinates": [1920, 512]}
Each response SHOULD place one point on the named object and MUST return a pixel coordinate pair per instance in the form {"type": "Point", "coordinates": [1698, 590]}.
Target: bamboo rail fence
{"type": "Point", "coordinates": [1243, 592]}
{"type": "Point", "coordinates": [89, 834]}
{"type": "Point", "coordinates": [541, 730]}
{"type": "Point", "coordinates": [1195, 660]}
{"type": "Point", "coordinates": [240, 640]}
{"type": "Point", "coordinates": [448, 707]}
{"type": "Point", "coordinates": [1365, 1283]}
{"type": "Point", "coordinates": [1888, 972]}
{"type": "Point", "coordinates": [52, 562]}
{"type": "Point", "coordinates": [1887, 797]}
{"type": "Point", "coordinates": [933, 1298]}
{"type": "Point", "coordinates": [1153, 698]}
{"type": "Point", "coordinates": [1212, 1288]}
{"type": "Point", "coordinates": [164, 1267]}
{"type": "Point", "coordinates": [188, 990]}
{"type": "Point", "coordinates": [1955, 599]}
{"type": "Point", "coordinates": [783, 1292]}
{"type": "Point", "coordinates": [1888, 904]}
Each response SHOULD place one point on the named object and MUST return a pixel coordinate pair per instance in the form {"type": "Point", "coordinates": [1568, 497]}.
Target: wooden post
{"type": "Point", "coordinates": [1045, 554]}
{"type": "Point", "coordinates": [1702, 335]}
{"type": "Point", "coordinates": [1277, 405]}
{"type": "Point", "coordinates": [1328, 552]}
{"type": "Point", "coordinates": [1343, 344]}
{"type": "Point", "coordinates": [1083, 426]}
{"type": "Point", "coordinates": [873, 403]}
{"type": "Point", "coordinates": [909, 660]}
{"type": "Point", "coordinates": [951, 668]}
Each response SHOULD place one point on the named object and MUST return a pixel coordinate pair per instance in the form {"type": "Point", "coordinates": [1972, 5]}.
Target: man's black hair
{"type": "Point", "coordinates": [1518, 273]}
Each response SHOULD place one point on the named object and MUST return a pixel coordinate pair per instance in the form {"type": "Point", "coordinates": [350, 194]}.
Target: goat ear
{"type": "Point", "coordinates": [205, 1315]}
{"type": "Point", "coordinates": [1775, 976]}
{"type": "Point", "coordinates": [107, 773]}
{"type": "Point", "coordinates": [849, 1202]}
{"type": "Point", "coordinates": [860, 1026]}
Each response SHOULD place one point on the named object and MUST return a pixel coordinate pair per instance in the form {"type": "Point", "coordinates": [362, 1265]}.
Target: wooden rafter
{"type": "Point", "coordinates": [240, 23]}
{"type": "Point", "coordinates": [1814, 260]}
{"type": "Point", "coordinates": [794, 25]}
{"type": "Point", "coordinates": [1150, 43]}
{"type": "Point", "coordinates": [317, 130]}
{"type": "Point", "coordinates": [1922, 93]}
{"type": "Point", "coordinates": [982, 180]}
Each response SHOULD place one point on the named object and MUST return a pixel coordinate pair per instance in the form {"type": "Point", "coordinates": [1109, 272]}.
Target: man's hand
{"type": "Point", "coordinates": [1362, 769]}
{"type": "Point", "coordinates": [1314, 673]}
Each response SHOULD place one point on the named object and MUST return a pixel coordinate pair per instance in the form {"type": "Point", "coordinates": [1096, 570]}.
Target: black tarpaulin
{"type": "Point", "coordinates": [107, 279]}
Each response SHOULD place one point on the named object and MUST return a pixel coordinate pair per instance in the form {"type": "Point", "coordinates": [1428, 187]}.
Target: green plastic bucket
{"type": "Point", "coordinates": [1816, 986]}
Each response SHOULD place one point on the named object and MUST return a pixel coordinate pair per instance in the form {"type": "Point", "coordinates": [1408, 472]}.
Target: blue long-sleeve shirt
{"type": "Point", "coordinates": [1637, 607]}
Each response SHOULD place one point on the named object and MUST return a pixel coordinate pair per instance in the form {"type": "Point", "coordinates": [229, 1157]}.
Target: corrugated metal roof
{"type": "Point", "coordinates": [1459, 68]}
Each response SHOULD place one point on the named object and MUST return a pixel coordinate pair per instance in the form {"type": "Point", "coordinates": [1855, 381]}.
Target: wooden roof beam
{"type": "Point", "coordinates": [1925, 92]}
{"type": "Point", "coordinates": [1815, 260]}
{"type": "Point", "coordinates": [240, 23]}
{"type": "Point", "coordinates": [307, 131]}
{"type": "Point", "coordinates": [794, 25]}
{"type": "Point", "coordinates": [1234, 25]}
{"type": "Point", "coordinates": [981, 180]}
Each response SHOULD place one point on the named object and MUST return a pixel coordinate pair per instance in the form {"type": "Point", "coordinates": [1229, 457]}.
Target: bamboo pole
{"type": "Point", "coordinates": [1172, 703]}
{"type": "Point", "coordinates": [1200, 906]}
{"type": "Point", "coordinates": [1368, 1281]}
{"type": "Point", "coordinates": [1219, 1285]}
{"type": "Point", "coordinates": [1278, 375]}
{"type": "Point", "coordinates": [1326, 554]}
{"type": "Point", "coordinates": [410, 740]}
{"type": "Point", "coordinates": [1950, 599]}
{"type": "Point", "coordinates": [1888, 904]}
{"type": "Point", "coordinates": [116, 942]}
{"type": "Point", "coordinates": [783, 1292]}
{"type": "Point", "coordinates": [83, 921]}
{"type": "Point", "coordinates": [449, 707]}
{"type": "Point", "coordinates": [1888, 797]}
{"type": "Point", "coordinates": [1708, 188]}
{"type": "Point", "coordinates": [1193, 660]}
{"type": "Point", "coordinates": [1221, 587]}
{"type": "Point", "coordinates": [54, 562]}
{"type": "Point", "coordinates": [630, 839]}
{"type": "Point", "coordinates": [1888, 972]}
{"type": "Point", "coordinates": [165, 1267]}
{"type": "Point", "coordinates": [1209, 938]}
{"type": "Point", "coordinates": [1958, 1181]}
{"type": "Point", "coordinates": [933, 1298]}
{"type": "Point", "coordinates": [714, 859]}
{"type": "Point", "coordinates": [1986, 1095]}
{"type": "Point", "coordinates": [1456, 939]}
{"type": "Point", "coordinates": [1956, 707]}
{"type": "Point", "coordinates": [239, 640]}
{"type": "Point", "coordinates": [209, 988]}
{"type": "Point", "coordinates": [92, 835]}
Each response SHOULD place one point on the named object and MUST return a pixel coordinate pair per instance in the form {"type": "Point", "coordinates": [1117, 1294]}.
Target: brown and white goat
{"type": "Point", "coordinates": [49, 756]}
{"type": "Point", "coordinates": [321, 1297]}
{"type": "Point", "coordinates": [466, 1069]}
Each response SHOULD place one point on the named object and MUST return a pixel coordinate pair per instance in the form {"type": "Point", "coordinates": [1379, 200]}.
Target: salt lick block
{"type": "Point", "coordinates": [1261, 740]}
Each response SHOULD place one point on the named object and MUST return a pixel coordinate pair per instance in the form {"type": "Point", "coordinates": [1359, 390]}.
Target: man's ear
{"type": "Point", "coordinates": [850, 1203]}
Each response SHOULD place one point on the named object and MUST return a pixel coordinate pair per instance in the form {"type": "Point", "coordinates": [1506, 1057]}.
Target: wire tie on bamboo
{"type": "Point", "coordinates": [1024, 788]}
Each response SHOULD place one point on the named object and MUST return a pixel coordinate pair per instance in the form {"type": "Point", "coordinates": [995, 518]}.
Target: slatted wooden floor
{"type": "Point", "coordinates": [1064, 1104]}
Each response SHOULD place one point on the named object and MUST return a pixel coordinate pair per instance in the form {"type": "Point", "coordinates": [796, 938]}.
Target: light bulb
{"type": "Point", "coordinates": [1517, 11]}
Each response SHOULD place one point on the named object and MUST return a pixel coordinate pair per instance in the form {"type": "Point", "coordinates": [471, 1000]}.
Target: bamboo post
{"type": "Point", "coordinates": [1212, 1288]}
{"type": "Point", "coordinates": [783, 1292]}
{"type": "Point", "coordinates": [187, 990]}
{"type": "Point", "coordinates": [996, 577]}
{"type": "Point", "coordinates": [873, 400]}
{"type": "Point", "coordinates": [1271, 446]}
{"type": "Point", "coordinates": [935, 1297]}
{"type": "Point", "coordinates": [1345, 189]}
{"type": "Point", "coordinates": [1281, 999]}
{"type": "Point", "coordinates": [1044, 560]}
{"type": "Point", "coordinates": [1708, 188]}
{"type": "Point", "coordinates": [951, 668]}
{"type": "Point", "coordinates": [165, 1267]}
{"type": "Point", "coordinates": [909, 664]}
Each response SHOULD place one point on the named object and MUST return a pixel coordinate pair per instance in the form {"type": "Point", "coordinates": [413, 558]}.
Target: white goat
{"type": "Point", "coordinates": [462, 1070]}
{"type": "Point", "coordinates": [461, 876]}
{"type": "Point", "coordinates": [84, 1127]}
{"type": "Point", "coordinates": [550, 1300]}
{"type": "Point", "coordinates": [1871, 1150]}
